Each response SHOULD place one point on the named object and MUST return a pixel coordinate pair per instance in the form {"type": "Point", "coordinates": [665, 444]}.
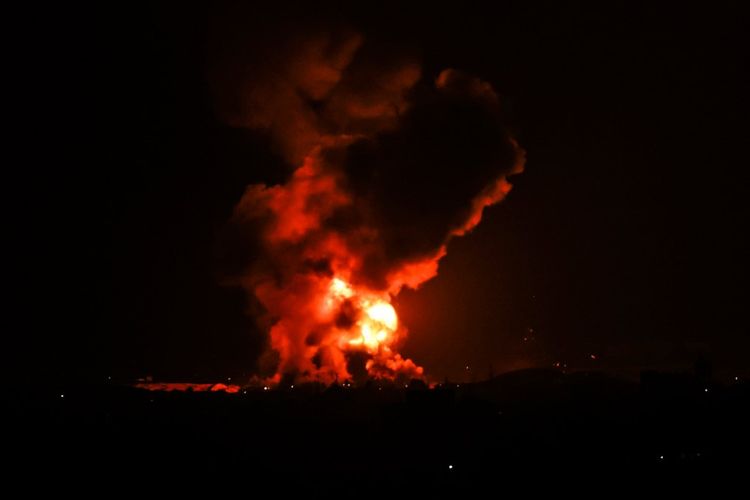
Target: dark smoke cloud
{"type": "Point", "coordinates": [421, 151]}
{"type": "Point", "coordinates": [419, 180]}
{"type": "Point", "coordinates": [303, 86]}
{"type": "Point", "coordinates": [389, 165]}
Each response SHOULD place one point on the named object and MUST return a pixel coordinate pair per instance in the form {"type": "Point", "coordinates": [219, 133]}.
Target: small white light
{"type": "Point", "coordinates": [736, 379]}
{"type": "Point", "coordinates": [661, 457]}
{"type": "Point", "coordinates": [705, 390]}
{"type": "Point", "coordinates": [265, 387]}
{"type": "Point", "coordinates": [292, 386]}
{"type": "Point", "coordinates": [450, 466]}
{"type": "Point", "coordinates": [62, 395]}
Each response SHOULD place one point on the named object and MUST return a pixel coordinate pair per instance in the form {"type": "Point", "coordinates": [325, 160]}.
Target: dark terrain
{"type": "Point", "coordinates": [530, 423]}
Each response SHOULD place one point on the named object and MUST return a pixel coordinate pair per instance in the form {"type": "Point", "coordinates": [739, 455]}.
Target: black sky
{"type": "Point", "coordinates": [623, 238]}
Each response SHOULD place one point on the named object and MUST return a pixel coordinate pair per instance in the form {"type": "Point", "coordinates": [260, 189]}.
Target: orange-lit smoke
{"type": "Point", "coordinates": [321, 314]}
{"type": "Point", "coordinates": [328, 269]}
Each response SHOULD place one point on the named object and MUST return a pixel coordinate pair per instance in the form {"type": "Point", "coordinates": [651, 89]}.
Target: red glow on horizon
{"type": "Point", "coordinates": [187, 387]}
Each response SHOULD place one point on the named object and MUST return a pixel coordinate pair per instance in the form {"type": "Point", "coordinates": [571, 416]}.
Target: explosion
{"type": "Point", "coordinates": [320, 314]}
{"type": "Point", "coordinates": [391, 167]}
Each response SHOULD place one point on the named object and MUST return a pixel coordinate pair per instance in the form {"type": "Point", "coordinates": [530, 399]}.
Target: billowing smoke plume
{"type": "Point", "coordinates": [389, 165]}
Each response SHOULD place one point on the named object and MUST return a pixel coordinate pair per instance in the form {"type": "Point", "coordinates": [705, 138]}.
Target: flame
{"type": "Point", "coordinates": [383, 314]}
{"type": "Point", "coordinates": [376, 328]}
{"type": "Point", "coordinates": [340, 289]}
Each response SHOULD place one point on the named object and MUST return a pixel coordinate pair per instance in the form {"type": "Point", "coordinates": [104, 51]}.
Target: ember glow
{"type": "Point", "coordinates": [185, 387]}
{"type": "Point", "coordinates": [369, 209]}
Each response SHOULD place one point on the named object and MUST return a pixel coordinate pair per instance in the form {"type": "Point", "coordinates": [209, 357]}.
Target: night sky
{"type": "Point", "coordinates": [623, 239]}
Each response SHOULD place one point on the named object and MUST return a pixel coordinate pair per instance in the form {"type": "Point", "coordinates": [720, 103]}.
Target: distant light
{"type": "Point", "coordinates": [244, 392]}
{"type": "Point", "coordinates": [265, 387]}
{"type": "Point", "coordinates": [705, 390]}
{"type": "Point", "coordinates": [450, 466]}
{"type": "Point", "coordinates": [292, 386]}
{"type": "Point", "coordinates": [736, 379]}
{"type": "Point", "coordinates": [109, 378]}
{"type": "Point", "coordinates": [229, 379]}
{"type": "Point", "coordinates": [661, 457]}
{"type": "Point", "coordinates": [62, 395]}
{"type": "Point", "coordinates": [467, 367]}
{"type": "Point", "coordinates": [593, 356]}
